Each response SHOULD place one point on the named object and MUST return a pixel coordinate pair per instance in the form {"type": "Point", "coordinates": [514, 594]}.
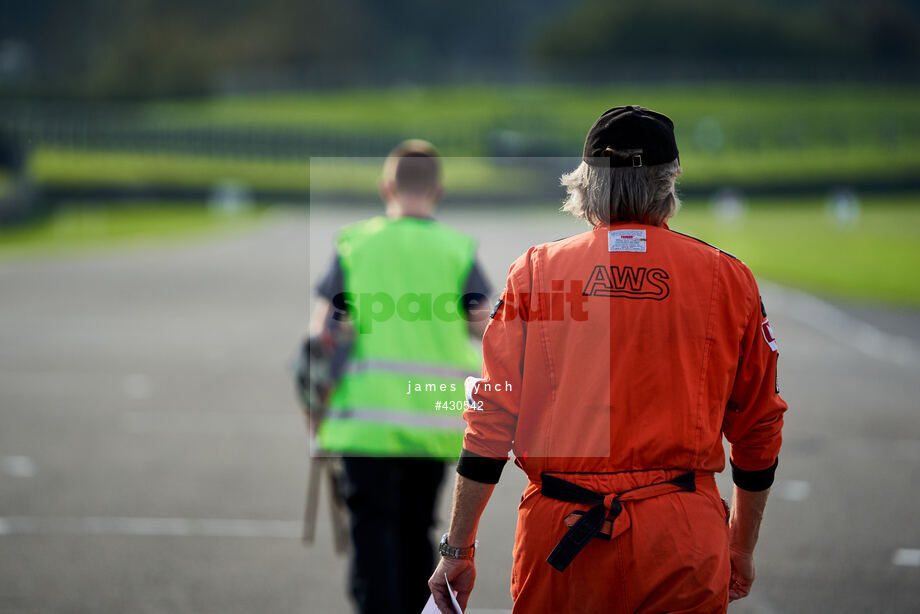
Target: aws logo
{"type": "Point", "coordinates": [628, 282]}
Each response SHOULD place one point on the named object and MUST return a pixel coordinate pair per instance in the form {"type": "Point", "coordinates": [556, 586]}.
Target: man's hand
{"type": "Point", "coordinates": [312, 426]}
{"type": "Point", "coordinates": [743, 529]}
{"type": "Point", "coordinates": [470, 498]}
{"type": "Point", "coordinates": [461, 573]}
{"type": "Point", "coordinates": [742, 574]}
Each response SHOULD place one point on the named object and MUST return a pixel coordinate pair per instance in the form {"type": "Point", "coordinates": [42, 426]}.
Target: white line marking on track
{"type": "Point", "coordinates": [152, 527]}
{"type": "Point", "coordinates": [906, 557]}
{"type": "Point", "coordinates": [792, 490]}
{"type": "Point", "coordinates": [842, 327]}
{"type": "Point", "coordinates": [18, 466]}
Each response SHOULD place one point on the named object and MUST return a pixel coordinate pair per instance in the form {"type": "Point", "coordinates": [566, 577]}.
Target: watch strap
{"type": "Point", "coordinates": [456, 552]}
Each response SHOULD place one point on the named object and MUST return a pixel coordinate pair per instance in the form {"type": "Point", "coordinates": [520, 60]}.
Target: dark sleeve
{"type": "Point", "coordinates": [332, 283]}
{"type": "Point", "coordinates": [754, 481]}
{"type": "Point", "coordinates": [476, 291]}
{"type": "Point", "coordinates": [480, 468]}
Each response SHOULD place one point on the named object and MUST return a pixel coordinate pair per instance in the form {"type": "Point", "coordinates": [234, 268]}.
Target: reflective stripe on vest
{"type": "Point", "coordinates": [443, 421]}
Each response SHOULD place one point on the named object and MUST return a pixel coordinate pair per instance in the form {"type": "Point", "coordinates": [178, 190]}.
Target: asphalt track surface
{"type": "Point", "coordinates": [154, 459]}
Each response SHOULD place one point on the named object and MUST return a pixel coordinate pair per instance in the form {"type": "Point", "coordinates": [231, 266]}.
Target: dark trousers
{"type": "Point", "coordinates": [391, 503]}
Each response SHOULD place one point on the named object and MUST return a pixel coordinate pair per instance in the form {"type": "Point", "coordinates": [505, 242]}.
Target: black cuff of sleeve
{"type": "Point", "coordinates": [754, 481]}
{"type": "Point", "coordinates": [480, 468]}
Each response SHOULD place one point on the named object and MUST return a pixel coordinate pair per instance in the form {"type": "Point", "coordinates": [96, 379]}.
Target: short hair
{"type": "Point", "coordinates": [414, 167]}
{"type": "Point", "coordinates": [603, 195]}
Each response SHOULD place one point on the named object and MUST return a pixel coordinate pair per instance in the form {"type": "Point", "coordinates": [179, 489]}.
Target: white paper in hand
{"type": "Point", "coordinates": [453, 596]}
{"type": "Point", "coordinates": [432, 608]}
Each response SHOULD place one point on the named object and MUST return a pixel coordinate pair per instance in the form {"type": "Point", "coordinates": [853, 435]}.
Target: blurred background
{"type": "Point", "coordinates": [171, 178]}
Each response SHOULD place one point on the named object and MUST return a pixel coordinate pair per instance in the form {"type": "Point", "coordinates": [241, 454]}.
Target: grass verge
{"type": "Point", "coordinates": [78, 227]}
{"type": "Point", "coordinates": [797, 242]}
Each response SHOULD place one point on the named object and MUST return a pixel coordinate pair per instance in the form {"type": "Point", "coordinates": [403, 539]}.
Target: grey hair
{"type": "Point", "coordinates": [602, 195]}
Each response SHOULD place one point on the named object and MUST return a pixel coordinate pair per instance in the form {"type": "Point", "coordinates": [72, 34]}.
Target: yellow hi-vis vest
{"type": "Point", "coordinates": [403, 281]}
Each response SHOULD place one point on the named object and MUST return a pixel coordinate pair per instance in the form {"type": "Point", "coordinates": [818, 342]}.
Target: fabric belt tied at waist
{"type": "Point", "coordinates": [608, 507]}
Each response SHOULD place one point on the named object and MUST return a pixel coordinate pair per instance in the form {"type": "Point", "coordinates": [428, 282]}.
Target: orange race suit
{"type": "Point", "coordinates": [613, 363]}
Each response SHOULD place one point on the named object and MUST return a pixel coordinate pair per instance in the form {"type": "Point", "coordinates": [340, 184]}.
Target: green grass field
{"type": "Point", "coordinates": [63, 168]}
{"type": "Point", "coordinates": [79, 227]}
{"type": "Point", "coordinates": [796, 242]}
{"type": "Point", "coordinates": [773, 110]}
{"type": "Point", "coordinates": [359, 176]}
{"type": "Point", "coordinates": [67, 167]}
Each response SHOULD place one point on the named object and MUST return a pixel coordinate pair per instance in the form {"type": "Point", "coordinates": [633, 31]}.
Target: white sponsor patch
{"type": "Point", "coordinates": [768, 335]}
{"type": "Point", "coordinates": [626, 240]}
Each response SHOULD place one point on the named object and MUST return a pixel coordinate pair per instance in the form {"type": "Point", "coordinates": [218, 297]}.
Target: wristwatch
{"type": "Point", "coordinates": [455, 552]}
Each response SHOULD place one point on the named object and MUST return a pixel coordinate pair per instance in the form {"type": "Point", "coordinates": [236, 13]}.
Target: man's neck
{"type": "Point", "coordinates": [396, 210]}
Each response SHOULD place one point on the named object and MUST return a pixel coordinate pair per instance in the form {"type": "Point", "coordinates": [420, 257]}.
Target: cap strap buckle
{"type": "Point", "coordinates": [636, 160]}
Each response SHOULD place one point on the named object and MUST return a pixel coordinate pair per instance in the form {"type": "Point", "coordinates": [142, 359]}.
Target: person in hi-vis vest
{"type": "Point", "coordinates": [414, 294]}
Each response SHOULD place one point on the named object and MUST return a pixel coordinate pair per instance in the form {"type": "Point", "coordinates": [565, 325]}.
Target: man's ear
{"type": "Point", "coordinates": [387, 191]}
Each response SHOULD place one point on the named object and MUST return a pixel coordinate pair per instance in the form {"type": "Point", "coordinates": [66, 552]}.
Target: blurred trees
{"type": "Point", "coordinates": [840, 34]}
{"type": "Point", "coordinates": [138, 48]}
{"type": "Point", "coordinates": [146, 48]}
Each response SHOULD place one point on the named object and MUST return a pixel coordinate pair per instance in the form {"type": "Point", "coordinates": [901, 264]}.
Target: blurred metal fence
{"type": "Point", "coordinates": [532, 132]}
{"type": "Point", "coordinates": [127, 128]}
{"type": "Point", "coordinates": [29, 126]}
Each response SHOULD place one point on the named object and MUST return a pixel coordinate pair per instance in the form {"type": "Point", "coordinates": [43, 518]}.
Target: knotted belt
{"type": "Point", "coordinates": [608, 507]}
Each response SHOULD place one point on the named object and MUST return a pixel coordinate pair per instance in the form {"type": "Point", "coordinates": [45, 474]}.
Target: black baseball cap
{"type": "Point", "coordinates": [649, 133]}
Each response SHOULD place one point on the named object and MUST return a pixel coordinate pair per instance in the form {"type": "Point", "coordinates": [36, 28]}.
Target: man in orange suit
{"type": "Point", "coordinates": [613, 363]}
